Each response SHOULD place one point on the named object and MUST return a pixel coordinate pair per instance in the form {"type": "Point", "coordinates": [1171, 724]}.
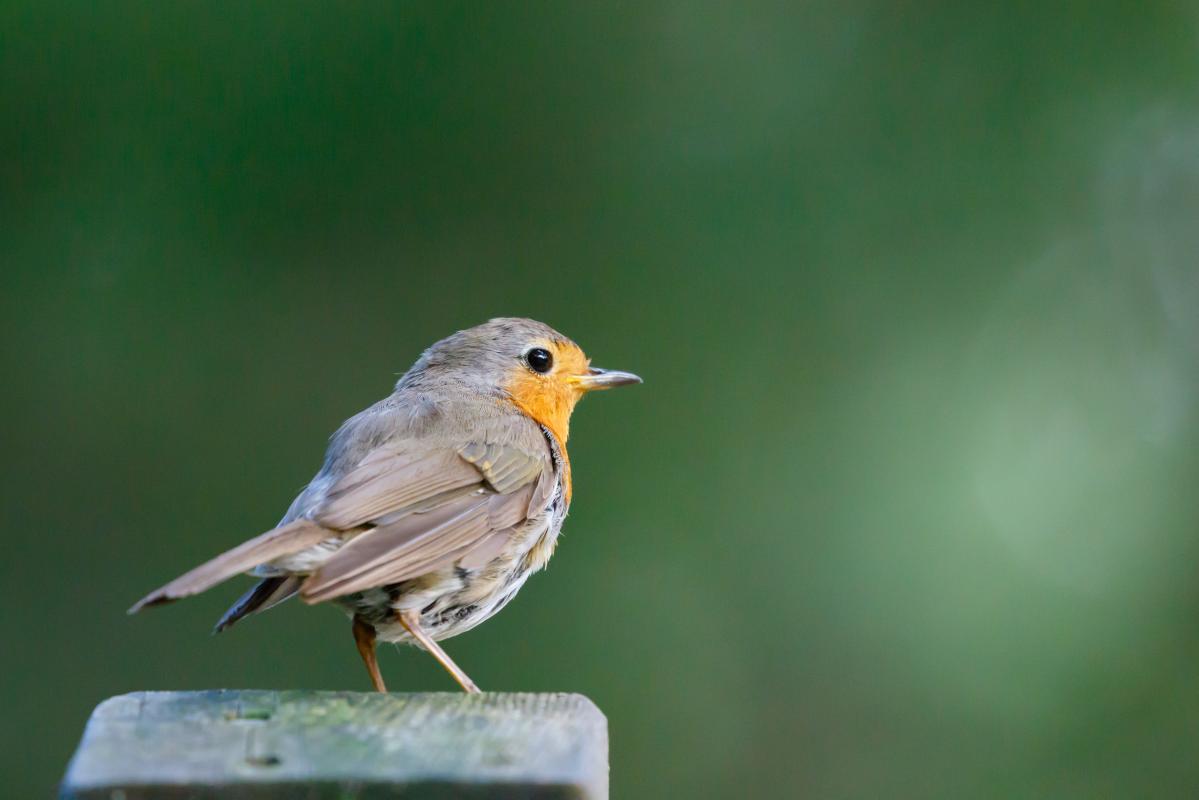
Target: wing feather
{"type": "Point", "coordinates": [505, 467]}
{"type": "Point", "coordinates": [402, 511]}
{"type": "Point", "coordinates": [358, 565]}
{"type": "Point", "coordinates": [417, 544]}
{"type": "Point", "coordinates": [281, 541]}
{"type": "Point", "coordinates": [481, 554]}
{"type": "Point", "coordinates": [386, 483]}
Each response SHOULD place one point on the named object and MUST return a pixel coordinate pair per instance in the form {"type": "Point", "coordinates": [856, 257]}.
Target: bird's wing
{"type": "Point", "coordinates": [276, 543]}
{"type": "Point", "coordinates": [408, 510]}
{"type": "Point", "coordinates": [424, 510]}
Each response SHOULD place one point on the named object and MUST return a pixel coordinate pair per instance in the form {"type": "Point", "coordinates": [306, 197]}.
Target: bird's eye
{"type": "Point", "coordinates": [539, 360]}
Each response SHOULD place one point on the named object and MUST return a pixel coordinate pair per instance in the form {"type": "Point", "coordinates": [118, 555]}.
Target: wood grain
{"type": "Point", "coordinates": [269, 744]}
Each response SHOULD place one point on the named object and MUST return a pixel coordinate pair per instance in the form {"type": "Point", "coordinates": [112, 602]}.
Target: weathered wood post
{"type": "Point", "coordinates": [266, 744]}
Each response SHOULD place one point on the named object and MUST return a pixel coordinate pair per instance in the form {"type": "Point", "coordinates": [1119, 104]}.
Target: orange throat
{"type": "Point", "coordinates": [549, 403]}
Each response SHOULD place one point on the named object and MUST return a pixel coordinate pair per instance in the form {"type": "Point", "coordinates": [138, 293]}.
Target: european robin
{"type": "Point", "coordinates": [435, 504]}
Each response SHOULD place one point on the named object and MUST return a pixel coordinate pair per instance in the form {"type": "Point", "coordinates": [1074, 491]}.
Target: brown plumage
{"type": "Point", "coordinates": [434, 505]}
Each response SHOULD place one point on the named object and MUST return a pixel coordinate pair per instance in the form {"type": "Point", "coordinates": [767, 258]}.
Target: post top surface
{"type": "Point", "coordinates": [267, 743]}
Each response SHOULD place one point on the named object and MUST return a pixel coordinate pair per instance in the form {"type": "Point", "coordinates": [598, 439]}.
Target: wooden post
{"type": "Point", "coordinates": [266, 744]}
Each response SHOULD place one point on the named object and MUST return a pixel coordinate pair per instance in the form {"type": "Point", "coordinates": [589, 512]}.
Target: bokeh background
{"type": "Point", "coordinates": [907, 504]}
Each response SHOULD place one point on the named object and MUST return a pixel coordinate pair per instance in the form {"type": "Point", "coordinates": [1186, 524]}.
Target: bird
{"type": "Point", "coordinates": [434, 505]}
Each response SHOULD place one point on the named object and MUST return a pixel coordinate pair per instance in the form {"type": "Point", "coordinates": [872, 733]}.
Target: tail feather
{"type": "Point", "coordinates": [267, 593]}
{"type": "Point", "coordinates": [276, 543]}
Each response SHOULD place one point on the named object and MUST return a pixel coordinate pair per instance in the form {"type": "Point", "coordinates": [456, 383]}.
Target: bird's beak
{"type": "Point", "coordinates": [597, 378]}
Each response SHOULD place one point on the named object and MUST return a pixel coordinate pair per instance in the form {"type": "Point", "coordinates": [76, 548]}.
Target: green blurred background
{"type": "Point", "coordinates": [906, 506]}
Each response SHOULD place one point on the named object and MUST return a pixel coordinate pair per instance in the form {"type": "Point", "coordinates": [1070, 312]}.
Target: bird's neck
{"type": "Point", "coordinates": [550, 409]}
{"type": "Point", "coordinates": [546, 404]}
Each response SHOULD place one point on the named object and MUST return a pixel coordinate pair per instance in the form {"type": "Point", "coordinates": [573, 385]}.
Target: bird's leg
{"type": "Point", "coordinates": [411, 622]}
{"type": "Point", "coordinates": [364, 637]}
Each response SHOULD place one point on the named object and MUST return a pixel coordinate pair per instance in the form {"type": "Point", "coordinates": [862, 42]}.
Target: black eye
{"type": "Point", "coordinates": [539, 360]}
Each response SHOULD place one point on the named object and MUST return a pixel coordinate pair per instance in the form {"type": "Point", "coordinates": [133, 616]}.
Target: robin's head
{"type": "Point", "coordinates": [539, 370]}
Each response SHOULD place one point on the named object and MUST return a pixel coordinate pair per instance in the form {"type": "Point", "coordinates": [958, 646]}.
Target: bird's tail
{"type": "Point", "coordinates": [267, 593]}
{"type": "Point", "coordinates": [282, 541]}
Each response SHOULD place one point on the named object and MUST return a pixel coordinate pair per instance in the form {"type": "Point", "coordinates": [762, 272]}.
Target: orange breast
{"type": "Point", "coordinates": [550, 399]}
{"type": "Point", "coordinates": [548, 403]}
